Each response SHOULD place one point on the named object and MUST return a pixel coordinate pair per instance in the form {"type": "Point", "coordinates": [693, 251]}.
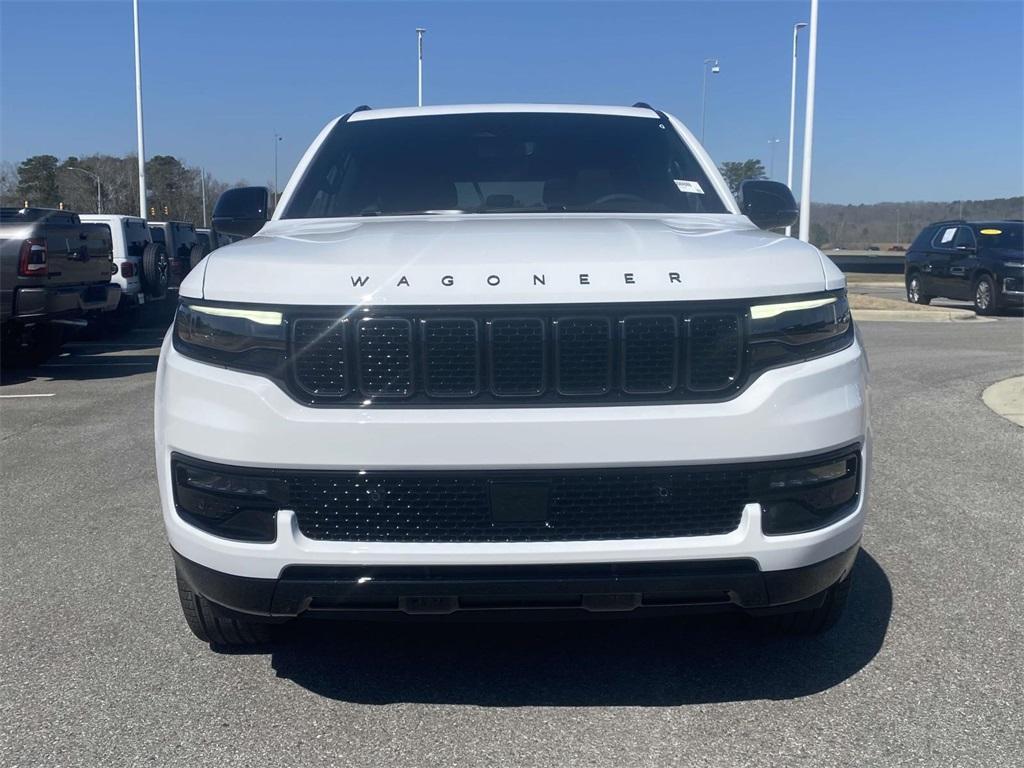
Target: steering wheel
{"type": "Point", "coordinates": [623, 196]}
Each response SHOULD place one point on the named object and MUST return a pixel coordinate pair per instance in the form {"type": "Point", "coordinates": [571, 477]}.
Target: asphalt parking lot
{"type": "Point", "coordinates": [925, 669]}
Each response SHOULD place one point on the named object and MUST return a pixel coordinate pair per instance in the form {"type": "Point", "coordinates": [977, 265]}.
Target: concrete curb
{"type": "Point", "coordinates": [1006, 398]}
{"type": "Point", "coordinates": [936, 315]}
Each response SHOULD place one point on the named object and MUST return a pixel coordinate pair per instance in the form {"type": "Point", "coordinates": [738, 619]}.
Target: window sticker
{"type": "Point", "coordinates": [947, 236]}
{"type": "Point", "coordinates": [689, 186]}
{"type": "Point", "coordinates": [991, 231]}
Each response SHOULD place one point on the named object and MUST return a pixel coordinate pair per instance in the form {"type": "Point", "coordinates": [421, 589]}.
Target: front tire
{"type": "Point", "coordinates": [985, 299]}
{"type": "Point", "coordinates": [914, 294]}
{"type": "Point", "coordinates": [813, 621]}
{"type": "Point", "coordinates": [214, 629]}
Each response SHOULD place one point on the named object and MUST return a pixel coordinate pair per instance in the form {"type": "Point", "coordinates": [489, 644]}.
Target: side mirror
{"type": "Point", "coordinates": [241, 211]}
{"type": "Point", "coordinates": [769, 204]}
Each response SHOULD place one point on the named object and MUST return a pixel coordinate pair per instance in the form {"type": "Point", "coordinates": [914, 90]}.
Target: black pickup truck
{"type": "Point", "coordinates": [54, 270]}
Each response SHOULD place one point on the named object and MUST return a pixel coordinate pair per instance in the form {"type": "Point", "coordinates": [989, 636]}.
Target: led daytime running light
{"type": "Point", "coordinates": [765, 311]}
{"type": "Point", "coordinates": [262, 317]}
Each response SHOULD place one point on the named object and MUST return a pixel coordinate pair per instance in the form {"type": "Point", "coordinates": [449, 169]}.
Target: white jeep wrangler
{"type": "Point", "coordinates": [511, 358]}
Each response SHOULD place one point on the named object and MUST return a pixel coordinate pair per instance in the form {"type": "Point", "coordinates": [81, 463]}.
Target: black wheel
{"type": "Point", "coordinates": [215, 630]}
{"type": "Point", "coordinates": [195, 255]}
{"type": "Point", "coordinates": [34, 345]}
{"type": "Point", "coordinates": [985, 299]}
{"type": "Point", "coordinates": [914, 294]}
{"type": "Point", "coordinates": [155, 269]}
{"type": "Point", "coordinates": [813, 621]}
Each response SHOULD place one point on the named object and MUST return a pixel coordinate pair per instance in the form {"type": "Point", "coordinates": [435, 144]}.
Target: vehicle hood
{"type": "Point", "coordinates": [508, 259]}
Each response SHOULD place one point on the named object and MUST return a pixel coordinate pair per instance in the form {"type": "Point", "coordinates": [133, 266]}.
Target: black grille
{"type": "Point", "coordinates": [485, 356]}
{"type": "Point", "coordinates": [713, 362]}
{"type": "Point", "coordinates": [451, 357]}
{"type": "Point", "coordinates": [650, 360]}
{"type": "Point", "coordinates": [320, 365]}
{"type": "Point", "coordinates": [584, 354]}
{"type": "Point", "coordinates": [517, 356]}
{"type": "Point", "coordinates": [385, 356]}
{"type": "Point", "coordinates": [456, 507]}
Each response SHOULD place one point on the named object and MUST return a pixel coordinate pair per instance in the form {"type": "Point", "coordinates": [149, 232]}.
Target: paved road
{"type": "Point", "coordinates": [893, 289]}
{"type": "Point", "coordinates": [926, 669]}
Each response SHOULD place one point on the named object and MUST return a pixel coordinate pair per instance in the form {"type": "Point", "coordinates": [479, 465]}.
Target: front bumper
{"type": "Point", "coordinates": [1013, 290]}
{"type": "Point", "coordinates": [239, 419]}
{"type": "Point", "coordinates": [347, 591]}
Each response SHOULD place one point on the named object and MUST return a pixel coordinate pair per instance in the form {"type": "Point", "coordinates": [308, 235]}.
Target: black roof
{"type": "Point", "coordinates": [975, 223]}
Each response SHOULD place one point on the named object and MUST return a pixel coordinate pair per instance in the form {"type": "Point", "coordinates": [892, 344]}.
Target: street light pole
{"type": "Point", "coordinates": [715, 69]}
{"type": "Point", "coordinates": [277, 139]}
{"type": "Point", "coordinates": [202, 184]}
{"type": "Point", "coordinates": [419, 66]}
{"type": "Point", "coordinates": [99, 195]}
{"type": "Point", "coordinates": [138, 114]}
{"type": "Point", "coordinates": [773, 142]}
{"type": "Point", "coordinates": [792, 111]}
{"type": "Point", "coordinates": [805, 181]}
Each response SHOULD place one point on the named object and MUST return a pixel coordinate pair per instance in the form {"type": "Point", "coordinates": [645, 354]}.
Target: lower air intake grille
{"type": "Point", "coordinates": [457, 507]}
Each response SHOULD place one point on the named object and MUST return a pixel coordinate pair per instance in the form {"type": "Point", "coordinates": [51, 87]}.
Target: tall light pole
{"type": "Point", "coordinates": [805, 171]}
{"type": "Point", "coordinates": [792, 112]}
{"type": "Point", "coordinates": [419, 66]}
{"type": "Point", "coordinates": [202, 184]}
{"type": "Point", "coordinates": [715, 69]}
{"type": "Point", "coordinates": [277, 140]}
{"type": "Point", "coordinates": [138, 114]}
{"type": "Point", "coordinates": [772, 143]}
{"type": "Point", "coordinates": [99, 197]}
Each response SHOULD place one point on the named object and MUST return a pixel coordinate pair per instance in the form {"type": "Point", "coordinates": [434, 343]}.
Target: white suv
{"type": "Point", "coordinates": [516, 358]}
{"type": "Point", "coordinates": [141, 266]}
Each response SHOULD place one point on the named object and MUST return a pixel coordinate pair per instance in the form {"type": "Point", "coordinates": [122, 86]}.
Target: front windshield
{"type": "Point", "coordinates": [1005, 237]}
{"type": "Point", "coordinates": [503, 163]}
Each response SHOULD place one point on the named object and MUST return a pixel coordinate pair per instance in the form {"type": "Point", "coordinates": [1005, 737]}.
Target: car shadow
{"type": "Point", "coordinates": [643, 662]}
{"type": "Point", "coordinates": [114, 347]}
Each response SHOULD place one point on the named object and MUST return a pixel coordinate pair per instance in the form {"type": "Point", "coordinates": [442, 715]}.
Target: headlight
{"type": "Point", "coordinates": [234, 337]}
{"type": "Point", "coordinates": [786, 332]}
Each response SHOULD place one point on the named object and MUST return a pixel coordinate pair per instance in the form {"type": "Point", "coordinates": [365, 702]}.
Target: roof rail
{"type": "Point", "coordinates": [949, 221]}
{"type": "Point", "coordinates": [643, 105]}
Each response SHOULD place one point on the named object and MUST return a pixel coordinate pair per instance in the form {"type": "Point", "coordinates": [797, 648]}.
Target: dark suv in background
{"type": "Point", "coordinates": [981, 261]}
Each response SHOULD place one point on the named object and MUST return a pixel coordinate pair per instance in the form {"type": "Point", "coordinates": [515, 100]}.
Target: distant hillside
{"type": "Point", "coordinates": [857, 226]}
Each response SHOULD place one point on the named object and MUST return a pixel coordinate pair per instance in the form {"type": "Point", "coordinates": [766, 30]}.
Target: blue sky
{"type": "Point", "coordinates": [915, 100]}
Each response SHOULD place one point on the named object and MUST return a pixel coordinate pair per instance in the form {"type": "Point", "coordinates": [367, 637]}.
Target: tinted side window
{"type": "Point", "coordinates": [136, 237]}
{"type": "Point", "coordinates": [945, 237]}
{"type": "Point", "coordinates": [923, 240]}
{"type": "Point", "coordinates": [964, 238]}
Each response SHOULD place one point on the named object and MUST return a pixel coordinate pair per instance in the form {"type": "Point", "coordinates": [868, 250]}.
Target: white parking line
{"type": "Point", "coordinates": [97, 365]}
{"type": "Point", "coordinates": [49, 394]}
{"type": "Point", "coordinates": [133, 345]}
